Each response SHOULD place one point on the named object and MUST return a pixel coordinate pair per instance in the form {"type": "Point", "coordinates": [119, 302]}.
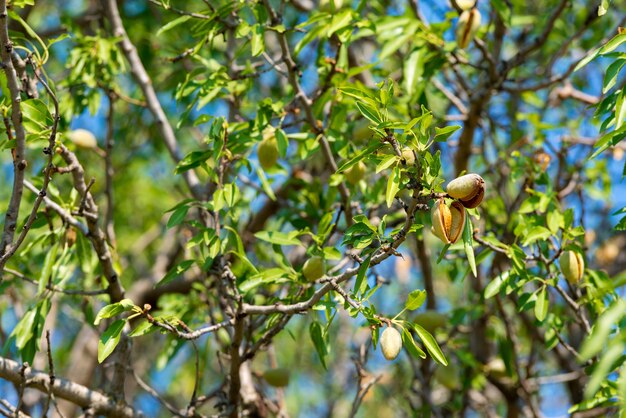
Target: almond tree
{"type": "Point", "coordinates": [312, 208]}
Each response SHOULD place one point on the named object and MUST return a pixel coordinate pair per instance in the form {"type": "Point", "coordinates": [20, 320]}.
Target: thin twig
{"type": "Point", "coordinates": [155, 394]}
{"type": "Point", "coordinates": [65, 215]}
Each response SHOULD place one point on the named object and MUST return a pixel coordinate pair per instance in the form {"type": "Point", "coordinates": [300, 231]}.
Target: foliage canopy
{"type": "Point", "coordinates": [217, 207]}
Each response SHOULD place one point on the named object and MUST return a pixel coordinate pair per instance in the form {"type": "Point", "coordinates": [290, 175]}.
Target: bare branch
{"type": "Point", "coordinates": [19, 151]}
{"type": "Point", "coordinates": [49, 286]}
{"type": "Point", "coordinates": [65, 389]}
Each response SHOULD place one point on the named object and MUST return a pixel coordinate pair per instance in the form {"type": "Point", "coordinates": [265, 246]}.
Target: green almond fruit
{"type": "Point", "coordinates": [390, 343]}
{"type": "Point", "coordinates": [278, 377]}
{"type": "Point", "coordinates": [267, 150]}
{"type": "Point", "coordinates": [448, 376]}
{"type": "Point", "coordinates": [572, 266]}
{"type": "Point", "coordinates": [409, 156]}
{"type": "Point", "coordinates": [431, 320]}
{"type": "Point", "coordinates": [355, 173]}
{"type": "Point", "coordinates": [313, 268]}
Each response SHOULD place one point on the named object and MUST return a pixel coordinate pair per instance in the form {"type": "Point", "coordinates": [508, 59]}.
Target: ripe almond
{"type": "Point", "coordinates": [465, 187]}
{"type": "Point", "coordinates": [475, 201]}
{"type": "Point", "coordinates": [465, 4]}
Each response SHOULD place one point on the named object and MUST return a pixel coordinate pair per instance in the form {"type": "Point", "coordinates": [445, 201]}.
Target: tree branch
{"type": "Point", "coordinates": [65, 389]}
{"type": "Point", "coordinates": [19, 154]}
{"type": "Point", "coordinates": [47, 176]}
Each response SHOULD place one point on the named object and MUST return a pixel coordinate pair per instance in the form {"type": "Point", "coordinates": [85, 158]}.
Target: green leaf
{"type": "Point", "coordinates": [537, 233]}
{"type": "Point", "coordinates": [431, 345]}
{"type": "Point", "coordinates": [541, 304]}
{"type": "Point", "coordinates": [610, 78]}
{"type": "Point", "coordinates": [442, 134]}
{"type": "Point", "coordinates": [413, 70]}
{"type": "Point", "coordinates": [611, 45]}
{"type": "Point", "coordinates": [178, 216]}
{"type": "Point", "coordinates": [361, 155]}
{"type": "Point", "coordinates": [410, 345]}
{"type": "Point", "coordinates": [282, 141]}
{"type": "Point", "coordinates": [468, 245]}
{"type": "Point", "coordinates": [603, 7]}
{"type": "Point", "coordinates": [339, 22]}
{"type": "Point", "coordinates": [316, 331]}
{"type": "Point", "coordinates": [607, 140]}
{"type": "Point", "coordinates": [143, 328]}
{"type": "Point", "coordinates": [415, 299]}
{"type": "Point", "coordinates": [620, 110]}
{"type": "Point", "coordinates": [110, 339]}
{"type": "Point", "coordinates": [590, 57]}
{"type": "Point", "coordinates": [265, 277]}
{"type": "Point", "coordinates": [24, 330]}
{"type": "Point", "coordinates": [175, 272]}
{"type": "Point", "coordinates": [360, 283]}
{"type": "Point", "coordinates": [443, 252]}
{"type": "Point", "coordinates": [393, 185]}
{"type": "Point", "coordinates": [386, 162]}
{"type": "Point", "coordinates": [605, 366]}
{"type": "Point", "coordinates": [602, 329]}
{"type": "Point", "coordinates": [22, 3]}
{"type": "Point", "coordinates": [171, 25]}
{"type": "Point", "coordinates": [359, 235]}
{"type": "Point", "coordinates": [369, 111]}
{"type": "Point", "coordinates": [265, 184]}
{"type": "Point", "coordinates": [113, 309]}
{"type": "Point", "coordinates": [493, 288]}
{"type": "Point", "coordinates": [36, 116]}
{"type": "Point", "coordinates": [257, 42]}
{"type": "Point", "coordinates": [46, 271]}
{"type": "Point", "coordinates": [278, 238]}
{"type": "Point", "coordinates": [503, 9]}
{"type": "Point", "coordinates": [192, 160]}
{"type": "Point", "coordinates": [555, 221]}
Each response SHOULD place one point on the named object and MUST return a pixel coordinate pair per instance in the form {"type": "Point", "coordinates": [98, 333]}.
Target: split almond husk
{"type": "Point", "coordinates": [457, 212]}
{"type": "Point", "coordinates": [448, 222]}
